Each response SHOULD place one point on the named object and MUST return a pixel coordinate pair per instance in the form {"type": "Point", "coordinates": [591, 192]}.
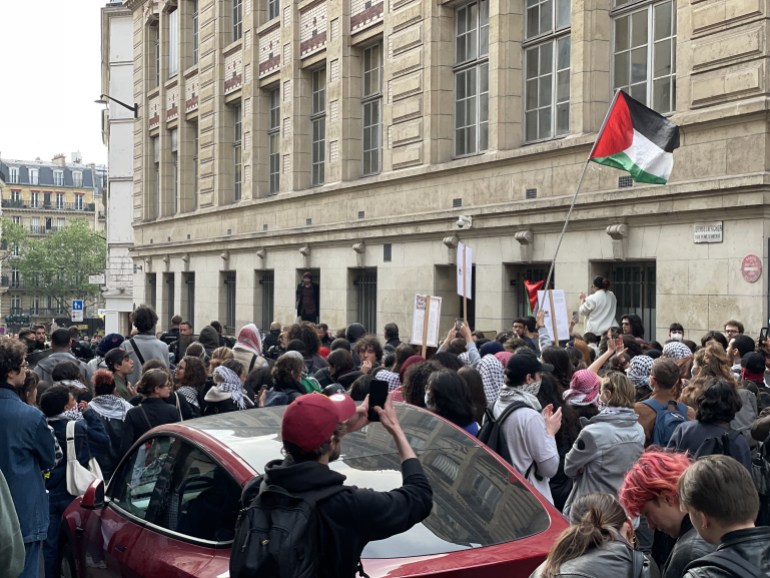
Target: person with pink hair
{"type": "Point", "coordinates": [650, 490]}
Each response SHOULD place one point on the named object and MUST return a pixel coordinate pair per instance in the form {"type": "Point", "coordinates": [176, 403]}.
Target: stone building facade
{"type": "Point", "coordinates": [348, 137]}
{"type": "Point", "coordinates": [118, 134]}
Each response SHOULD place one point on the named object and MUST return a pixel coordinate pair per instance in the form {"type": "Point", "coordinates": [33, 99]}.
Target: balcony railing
{"type": "Point", "coordinates": [42, 230]}
{"type": "Point", "coordinates": [78, 207]}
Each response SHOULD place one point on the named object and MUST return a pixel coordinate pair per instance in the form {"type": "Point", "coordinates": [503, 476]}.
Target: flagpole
{"type": "Point", "coordinates": [577, 190]}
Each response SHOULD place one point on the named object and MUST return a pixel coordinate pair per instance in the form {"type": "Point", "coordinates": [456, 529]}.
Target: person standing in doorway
{"type": "Point", "coordinates": [307, 299]}
{"type": "Point", "coordinates": [600, 307]}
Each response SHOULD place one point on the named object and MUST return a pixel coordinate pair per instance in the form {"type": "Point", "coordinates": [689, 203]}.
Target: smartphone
{"type": "Point", "coordinates": [458, 324]}
{"type": "Point", "coordinates": [763, 335]}
{"type": "Point", "coordinates": [378, 393]}
{"type": "Point", "coordinates": [575, 317]}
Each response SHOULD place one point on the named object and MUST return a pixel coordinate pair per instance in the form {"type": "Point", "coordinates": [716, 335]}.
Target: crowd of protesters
{"type": "Point", "coordinates": [645, 447]}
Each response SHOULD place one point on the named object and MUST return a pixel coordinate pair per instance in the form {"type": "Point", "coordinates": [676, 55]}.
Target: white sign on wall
{"type": "Point", "coordinates": [707, 232]}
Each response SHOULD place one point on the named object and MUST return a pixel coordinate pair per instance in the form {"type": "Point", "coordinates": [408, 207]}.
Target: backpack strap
{"type": "Point", "coordinates": [729, 561]}
{"type": "Point", "coordinates": [653, 404]}
{"type": "Point", "coordinates": [136, 350]}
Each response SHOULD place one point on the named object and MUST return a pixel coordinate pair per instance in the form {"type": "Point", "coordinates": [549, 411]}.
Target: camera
{"type": "Point", "coordinates": [464, 222]}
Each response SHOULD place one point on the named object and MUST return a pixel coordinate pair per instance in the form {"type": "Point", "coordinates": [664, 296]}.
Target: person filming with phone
{"type": "Point", "coordinates": [312, 431]}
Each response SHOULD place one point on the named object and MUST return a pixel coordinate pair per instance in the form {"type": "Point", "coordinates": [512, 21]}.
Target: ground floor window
{"type": "Point", "coordinates": [634, 287]}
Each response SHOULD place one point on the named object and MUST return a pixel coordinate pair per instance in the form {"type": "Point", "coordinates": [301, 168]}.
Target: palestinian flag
{"type": "Point", "coordinates": [532, 289]}
{"type": "Point", "coordinates": [638, 140]}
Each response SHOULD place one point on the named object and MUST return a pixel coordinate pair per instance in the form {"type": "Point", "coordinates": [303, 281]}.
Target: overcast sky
{"type": "Point", "coordinates": [51, 59]}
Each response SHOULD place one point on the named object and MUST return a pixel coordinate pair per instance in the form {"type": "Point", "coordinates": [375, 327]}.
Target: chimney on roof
{"type": "Point", "coordinates": [76, 157]}
{"type": "Point", "coordinates": [59, 159]}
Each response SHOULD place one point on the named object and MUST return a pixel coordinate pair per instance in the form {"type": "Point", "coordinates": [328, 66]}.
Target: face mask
{"type": "Point", "coordinates": [677, 336]}
{"type": "Point", "coordinates": [428, 405]}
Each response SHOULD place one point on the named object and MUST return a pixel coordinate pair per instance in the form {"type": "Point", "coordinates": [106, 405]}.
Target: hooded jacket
{"type": "Point", "coordinates": [604, 451]}
{"type": "Point", "coordinates": [209, 339]}
{"type": "Point", "coordinates": [45, 366]}
{"type": "Point", "coordinates": [355, 516]}
{"type": "Point", "coordinates": [752, 544]}
{"type": "Point", "coordinates": [527, 438]}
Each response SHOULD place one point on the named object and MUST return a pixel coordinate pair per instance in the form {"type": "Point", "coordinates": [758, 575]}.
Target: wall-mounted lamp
{"type": "Point", "coordinates": [104, 98]}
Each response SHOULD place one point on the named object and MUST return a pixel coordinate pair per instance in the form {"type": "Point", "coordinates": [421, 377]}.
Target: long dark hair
{"type": "Point", "coordinates": [451, 398]}
{"type": "Point", "coordinates": [475, 386]}
{"type": "Point", "coordinates": [595, 520]}
{"type": "Point", "coordinates": [562, 365]}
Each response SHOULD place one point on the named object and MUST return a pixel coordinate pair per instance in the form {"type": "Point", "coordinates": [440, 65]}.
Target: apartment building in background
{"type": "Point", "coordinates": [43, 197]}
{"type": "Point", "coordinates": [348, 138]}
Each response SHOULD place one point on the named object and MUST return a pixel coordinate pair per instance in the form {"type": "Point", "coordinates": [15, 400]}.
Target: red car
{"type": "Point", "coordinates": [170, 508]}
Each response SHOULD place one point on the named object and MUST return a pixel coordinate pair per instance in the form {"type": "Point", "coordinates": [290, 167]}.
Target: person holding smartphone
{"type": "Point", "coordinates": [312, 430]}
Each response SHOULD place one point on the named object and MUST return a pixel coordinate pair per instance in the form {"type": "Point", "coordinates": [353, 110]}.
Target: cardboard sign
{"type": "Point", "coordinates": [464, 270]}
{"type": "Point", "coordinates": [554, 304]}
{"type": "Point", "coordinates": [426, 317]}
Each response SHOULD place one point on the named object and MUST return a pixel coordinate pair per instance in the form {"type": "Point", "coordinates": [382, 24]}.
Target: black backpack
{"type": "Point", "coordinates": [277, 534]}
{"type": "Point", "coordinates": [723, 445]}
{"type": "Point", "coordinates": [492, 434]}
{"type": "Point", "coordinates": [728, 561]}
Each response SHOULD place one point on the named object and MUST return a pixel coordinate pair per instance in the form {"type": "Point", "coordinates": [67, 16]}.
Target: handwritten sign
{"type": "Point", "coordinates": [426, 317]}
{"type": "Point", "coordinates": [554, 304]}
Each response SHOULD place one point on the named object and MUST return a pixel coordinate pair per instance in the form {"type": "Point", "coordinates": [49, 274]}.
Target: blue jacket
{"type": "Point", "coordinates": [26, 450]}
{"type": "Point", "coordinates": [90, 440]}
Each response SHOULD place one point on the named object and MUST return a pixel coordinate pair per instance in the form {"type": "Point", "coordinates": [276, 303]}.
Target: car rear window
{"type": "Point", "coordinates": [476, 502]}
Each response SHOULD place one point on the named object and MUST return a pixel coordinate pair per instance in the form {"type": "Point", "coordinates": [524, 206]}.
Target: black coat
{"type": "Point", "coordinates": [356, 516]}
{"type": "Point", "coordinates": [153, 411]}
{"type": "Point", "coordinates": [689, 546]}
{"type": "Point", "coordinates": [752, 545]}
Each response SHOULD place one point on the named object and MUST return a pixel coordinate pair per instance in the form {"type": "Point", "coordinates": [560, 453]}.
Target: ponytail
{"type": "Point", "coordinates": [601, 282]}
{"type": "Point", "coordinates": [596, 519]}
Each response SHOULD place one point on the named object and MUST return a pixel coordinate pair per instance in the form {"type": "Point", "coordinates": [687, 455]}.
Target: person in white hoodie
{"type": "Point", "coordinates": [528, 432]}
{"type": "Point", "coordinates": [599, 308]}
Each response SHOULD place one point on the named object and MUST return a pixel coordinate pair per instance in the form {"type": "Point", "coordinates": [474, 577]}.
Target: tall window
{"type": "Point", "coordinates": [195, 32]}
{"type": "Point", "coordinates": [155, 174]}
{"type": "Point", "coordinates": [13, 175]}
{"type": "Point", "coordinates": [16, 196]}
{"type": "Point", "coordinates": [35, 199]}
{"type": "Point", "coordinates": [237, 19]}
{"type": "Point", "coordinates": [16, 220]}
{"type": "Point", "coordinates": [318, 122]}
{"type": "Point", "coordinates": [645, 52]}
{"type": "Point", "coordinates": [33, 176]}
{"type": "Point", "coordinates": [58, 178]}
{"type": "Point", "coordinates": [79, 202]}
{"type": "Point", "coordinates": [59, 200]}
{"type": "Point", "coordinates": [174, 138]}
{"type": "Point", "coordinates": [153, 58]}
{"type": "Point", "coordinates": [195, 153]}
{"type": "Point", "coordinates": [173, 43]}
{"type": "Point", "coordinates": [16, 299]}
{"type": "Point", "coordinates": [472, 78]}
{"type": "Point", "coordinates": [77, 179]}
{"type": "Point", "coordinates": [272, 9]}
{"type": "Point", "coordinates": [547, 69]}
{"type": "Point", "coordinates": [237, 151]}
{"type": "Point", "coordinates": [371, 100]}
{"type": "Point", "coordinates": [274, 139]}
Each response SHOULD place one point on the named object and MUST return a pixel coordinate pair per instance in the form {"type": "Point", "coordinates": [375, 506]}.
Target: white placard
{"type": "Point", "coordinates": [418, 319]}
{"type": "Point", "coordinates": [97, 279]}
{"type": "Point", "coordinates": [464, 263]}
{"type": "Point", "coordinates": [554, 300]}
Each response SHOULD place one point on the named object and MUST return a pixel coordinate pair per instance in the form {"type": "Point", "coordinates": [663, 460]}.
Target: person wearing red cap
{"type": "Point", "coordinates": [312, 430]}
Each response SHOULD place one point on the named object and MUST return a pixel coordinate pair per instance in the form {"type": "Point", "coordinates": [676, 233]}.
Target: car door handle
{"type": "Point", "coordinates": [121, 548]}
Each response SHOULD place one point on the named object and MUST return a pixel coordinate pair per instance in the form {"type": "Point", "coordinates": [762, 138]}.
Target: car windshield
{"type": "Point", "coordinates": [476, 501]}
